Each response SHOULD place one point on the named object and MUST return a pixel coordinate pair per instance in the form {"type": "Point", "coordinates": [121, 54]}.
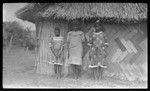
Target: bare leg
{"type": "Point", "coordinates": [72, 67]}
{"type": "Point", "coordinates": [73, 70]}
{"type": "Point", "coordinates": [101, 73]}
{"type": "Point", "coordinates": [59, 71]}
{"type": "Point", "coordinates": [76, 71]}
{"type": "Point", "coordinates": [93, 73]}
{"type": "Point", "coordinates": [79, 71]}
{"type": "Point", "coordinates": [98, 72]}
{"type": "Point", "coordinates": [55, 69]}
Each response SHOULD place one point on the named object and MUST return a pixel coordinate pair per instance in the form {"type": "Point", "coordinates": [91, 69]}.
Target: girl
{"type": "Point", "coordinates": [97, 43]}
{"type": "Point", "coordinates": [57, 48]}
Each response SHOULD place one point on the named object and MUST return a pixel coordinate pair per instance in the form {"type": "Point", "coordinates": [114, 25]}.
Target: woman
{"type": "Point", "coordinates": [75, 39]}
{"type": "Point", "coordinates": [57, 48]}
{"type": "Point", "coordinates": [97, 43]}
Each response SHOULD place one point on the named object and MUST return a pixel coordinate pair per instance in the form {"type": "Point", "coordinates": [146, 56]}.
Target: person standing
{"type": "Point", "coordinates": [75, 48]}
{"type": "Point", "coordinates": [97, 42]}
{"type": "Point", "coordinates": [57, 48]}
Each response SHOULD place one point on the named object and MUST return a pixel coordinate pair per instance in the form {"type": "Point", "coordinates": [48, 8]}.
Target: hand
{"type": "Point", "coordinates": [106, 44]}
{"type": "Point", "coordinates": [89, 44]}
{"type": "Point", "coordinates": [99, 63]}
{"type": "Point", "coordinates": [50, 44]}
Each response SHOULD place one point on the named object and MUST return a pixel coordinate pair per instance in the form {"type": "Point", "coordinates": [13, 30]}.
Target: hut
{"type": "Point", "coordinates": [125, 25]}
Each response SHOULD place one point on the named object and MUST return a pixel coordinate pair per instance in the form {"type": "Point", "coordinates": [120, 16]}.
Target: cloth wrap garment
{"type": "Point", "coordinates": [75, 39]}
{"type": "Point", "coordinates": [57, 49]}
{"type": "Point", "coordinates": [97, 50]}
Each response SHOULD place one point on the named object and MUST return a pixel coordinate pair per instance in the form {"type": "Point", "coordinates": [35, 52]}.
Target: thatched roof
{"type": "Point", "coordinates": [120, 11]}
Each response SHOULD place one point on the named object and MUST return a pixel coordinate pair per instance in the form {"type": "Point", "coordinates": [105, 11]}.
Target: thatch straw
{"type": "Point", "coordinates": [120, 11]}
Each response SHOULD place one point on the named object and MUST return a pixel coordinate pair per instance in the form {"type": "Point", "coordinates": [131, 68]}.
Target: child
{"type": "Point", "coordinates": [97, 52]}
{"type": "Point", "coordinates": [57, 48]}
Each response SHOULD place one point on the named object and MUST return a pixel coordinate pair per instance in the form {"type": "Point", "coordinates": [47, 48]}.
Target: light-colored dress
{"type": "Point", "coordinates": [75, 39]}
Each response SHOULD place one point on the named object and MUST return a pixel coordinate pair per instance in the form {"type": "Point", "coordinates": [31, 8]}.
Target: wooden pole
{"type": "Point", "coordinates": [39, 29]}
{"type": "Point", "coordinates": [36, 49]}
{"type": "Point", "coordinates": [44, 53]}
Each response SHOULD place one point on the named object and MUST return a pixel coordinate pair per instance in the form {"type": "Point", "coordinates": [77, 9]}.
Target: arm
{"type": "Point", "coordinates": [67, 44]}
{"type": "Point", "coordinates": [82, 36]}
{"type": "Point", "coordinates": [52, 47]}
{"type": "Point", "coordinates": [68, 36]}
{"type": "Point", "coordinates": [105, 40]}
{"type": "Point", "coordinates": [61, 48]}
{"type": "Point", "coordinates": [68, 40]}
{"type": "Point", "coordinates": [50, 42]}
{"type": "Point", "coordinates": [88, 34]}
{"type": "Point", "coordinates": [90, 42]}
{"type": "Point", "coordinates": [53, 51]}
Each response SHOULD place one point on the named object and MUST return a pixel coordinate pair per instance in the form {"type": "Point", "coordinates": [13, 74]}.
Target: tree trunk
{"type": "Point", "coordinates": [10, 44]}
{"type": "Point", "coordinates": [37, 42]}
{"type": "Point", "coordinates": [44, 54]}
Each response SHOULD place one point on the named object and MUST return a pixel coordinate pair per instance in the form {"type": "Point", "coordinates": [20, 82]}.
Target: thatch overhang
{"type": "Point", "coordinates": [121, 12]}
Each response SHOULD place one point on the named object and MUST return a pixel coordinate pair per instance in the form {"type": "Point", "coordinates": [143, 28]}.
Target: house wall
{"type": "Point", "coordinates": [129, 63]}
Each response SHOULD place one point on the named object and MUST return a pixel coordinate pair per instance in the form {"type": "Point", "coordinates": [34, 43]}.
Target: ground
{"type": "Point", "coordinates": [19, 72]}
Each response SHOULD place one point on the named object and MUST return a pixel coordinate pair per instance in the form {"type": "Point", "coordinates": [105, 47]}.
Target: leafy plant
{"type": "Point", "coordinates": [15, 35]}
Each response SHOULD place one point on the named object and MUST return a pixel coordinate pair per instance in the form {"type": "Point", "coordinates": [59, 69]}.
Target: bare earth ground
{"type": "Point", "coordinates": [19, 72]}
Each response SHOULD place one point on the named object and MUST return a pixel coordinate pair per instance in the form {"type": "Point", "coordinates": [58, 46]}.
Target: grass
{"type": "Point", "coordinates": [19, 72]}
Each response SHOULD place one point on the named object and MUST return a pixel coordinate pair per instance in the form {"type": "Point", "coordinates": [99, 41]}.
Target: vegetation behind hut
{"type": "Point", "coordinates": [14, 35]}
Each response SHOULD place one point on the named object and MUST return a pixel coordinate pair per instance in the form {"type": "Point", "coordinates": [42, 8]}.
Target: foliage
{"type": "Point", "coordinates": [21, 37]}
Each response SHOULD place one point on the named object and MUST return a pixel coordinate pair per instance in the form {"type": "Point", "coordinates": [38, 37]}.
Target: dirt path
{"type": "Point", "coordinates": [19, 72]}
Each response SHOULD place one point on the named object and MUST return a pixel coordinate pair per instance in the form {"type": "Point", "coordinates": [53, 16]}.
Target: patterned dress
{"type": "Point", "coordinates": [97, 50]}
{"type": "Point", "coordinates": [57, 48]}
